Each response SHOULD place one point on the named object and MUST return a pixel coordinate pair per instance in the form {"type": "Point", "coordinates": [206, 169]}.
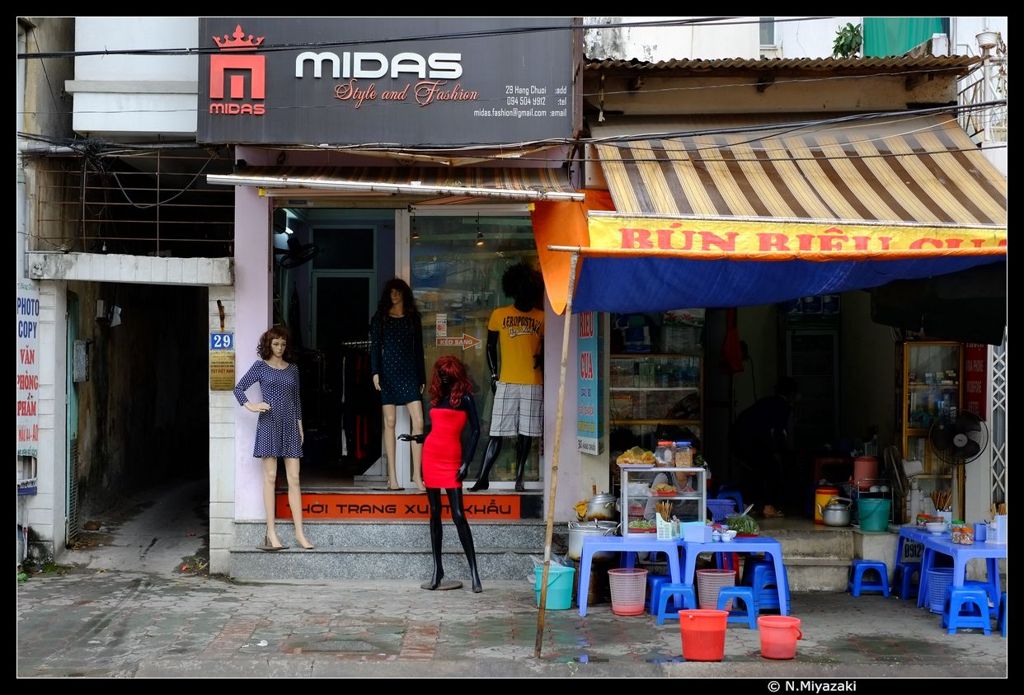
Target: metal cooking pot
{"type": "Point", "coordinates": [601, 507]}
{"type": "Point", "coordinates": [835, 512]}
{"type": "Point", "coordinates": [578, 531]}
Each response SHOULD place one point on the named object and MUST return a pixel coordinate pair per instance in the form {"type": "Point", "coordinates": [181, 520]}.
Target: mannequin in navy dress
{"type": "Point", "coordinates": [396, 362]}
{"type": "Point", "coordinates": [279, 429]}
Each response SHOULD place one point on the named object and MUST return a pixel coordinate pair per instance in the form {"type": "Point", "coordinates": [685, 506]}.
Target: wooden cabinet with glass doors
{"type": "Point", "coordinates": [932, 389]}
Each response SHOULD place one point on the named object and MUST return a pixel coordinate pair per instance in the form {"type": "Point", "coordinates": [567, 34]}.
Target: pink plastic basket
{"type": "Point", "coordinates": [709, 582]}
{"type": "Point", "coordinates": [629, 590]}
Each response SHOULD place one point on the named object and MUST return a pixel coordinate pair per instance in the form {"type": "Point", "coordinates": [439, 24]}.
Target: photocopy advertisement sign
{"type": "Point", "coordinates": [396, 81]}
{"type": "Point", "coordinates": [28, 370]}
{"type": "Point", "coordinates": [588, 392]}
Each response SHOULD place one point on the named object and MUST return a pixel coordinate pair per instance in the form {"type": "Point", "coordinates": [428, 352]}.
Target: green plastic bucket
{"type": "Point", "coordinates": [560, 583]}
{"type": "Point", "coordinates": [874, 514]}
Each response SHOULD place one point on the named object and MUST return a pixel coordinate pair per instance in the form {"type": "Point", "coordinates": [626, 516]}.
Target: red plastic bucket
{"type": "Point", "coordinates": [703, 634]}
{"type": "Point", "coordinates": [779, 634]}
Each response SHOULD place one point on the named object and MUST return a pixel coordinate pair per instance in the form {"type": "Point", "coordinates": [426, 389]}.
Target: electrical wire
{"type": "Point", "coordinates": [473, 34]}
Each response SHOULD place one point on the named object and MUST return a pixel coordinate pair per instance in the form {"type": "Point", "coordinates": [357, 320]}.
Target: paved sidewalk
{"type": "Point", "coordinates": [134, 624]}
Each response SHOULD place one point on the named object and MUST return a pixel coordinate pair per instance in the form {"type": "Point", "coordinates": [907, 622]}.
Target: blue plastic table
{"type": "Point", "coordinates": [623, 544]}
{"type": "Point", "coordinates": [962, 554]}
{"type": "Point", "coordinates": [759, 544]}
{"type": "Point", "coordinates": [913, 533]}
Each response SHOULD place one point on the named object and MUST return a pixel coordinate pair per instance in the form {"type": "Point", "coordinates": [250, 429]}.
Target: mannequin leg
{"type": "Point", "coordinates": [434, 499]}
{"type": "Point", "coordinates": [490, 456]}
{"type": "Point", "coordinates": [416, 418]}
{"type": "Point", "coordinates": [465, 535]}
{"type": "Point", "coordinates": [523, 446]}
{"type": "Point", "coordinates": [291, 467]}
{"type": "Point", "coordinates": [269, 478]}
{"type": "Point", "coordinates": [389, 445]}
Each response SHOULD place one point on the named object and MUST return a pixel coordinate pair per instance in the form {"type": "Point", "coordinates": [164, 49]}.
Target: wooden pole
{"type": "Point", "coordinates": [560, 411]}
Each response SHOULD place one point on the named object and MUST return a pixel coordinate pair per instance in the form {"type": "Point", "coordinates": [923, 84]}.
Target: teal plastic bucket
{"type": "Point", "coordinates": [560, 583]}
{"type": "Point", "coordinates": [874, 514]}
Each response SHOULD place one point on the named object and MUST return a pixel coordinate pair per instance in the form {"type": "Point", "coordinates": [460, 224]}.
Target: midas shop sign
{"type": "Point", "coordinates": [785, 240]}
{"type": "Point", "coordinates": [359, 80]}
{"type": "Point", "coordinates": [353, 66]}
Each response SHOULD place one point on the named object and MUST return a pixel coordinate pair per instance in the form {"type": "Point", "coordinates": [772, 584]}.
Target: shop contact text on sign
{"type": "Point", "coordinates": [27, 346]}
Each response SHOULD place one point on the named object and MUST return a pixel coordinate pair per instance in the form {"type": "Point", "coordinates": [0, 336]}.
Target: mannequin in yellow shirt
{"type": "Point", "coordinates": [517, 331]}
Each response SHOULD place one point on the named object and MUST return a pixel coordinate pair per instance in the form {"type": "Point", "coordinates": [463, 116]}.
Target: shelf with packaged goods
{"type": "Point", "coordinates": [691, 504]}
{"type": "Point", "coordinates": [932, 390]}
{"type": "Point", "coordinates": [645, 387]}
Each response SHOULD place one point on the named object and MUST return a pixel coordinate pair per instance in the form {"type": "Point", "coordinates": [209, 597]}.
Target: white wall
{"type": "Point", "coordinates": [812, 38]}
{"type": "Point", "coordinates": [47, 509]}
{"type": "Point", "coordinates": [135, 94]}
{"type": "Point", "coordinates": [252, 306]}
{"type": "Point", "coordinates": [665, 43]}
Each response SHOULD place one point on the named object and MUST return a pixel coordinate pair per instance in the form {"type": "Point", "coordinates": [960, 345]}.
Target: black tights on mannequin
{"type": "Point", "coordinates": [461, 525]}
{"type": "Point", "coordinates": [523, 446]}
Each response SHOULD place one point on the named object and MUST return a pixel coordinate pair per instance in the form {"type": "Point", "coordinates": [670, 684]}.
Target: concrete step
{"type": "Point", "coordinates": [377, 563]}
{"type": "Point", "coordinates": [398, 535]}
{"type": "Point", "coordinates": [388, 550]}
{"type": "Point", "coordinates": [817, 573]}
{"type": "Point", "coordinates": [815, 542]}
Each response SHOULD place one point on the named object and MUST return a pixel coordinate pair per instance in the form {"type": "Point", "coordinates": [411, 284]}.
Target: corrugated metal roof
{"type": "Point", "coordinates": [958, 63]}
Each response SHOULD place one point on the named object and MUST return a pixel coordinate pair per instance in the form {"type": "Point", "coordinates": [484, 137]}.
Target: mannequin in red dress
{"type": "Point", "coordinates": [445, 463]}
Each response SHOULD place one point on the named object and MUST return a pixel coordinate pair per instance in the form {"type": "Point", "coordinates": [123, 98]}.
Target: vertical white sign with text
{"type": "Point", "coordinates": [27, 366]}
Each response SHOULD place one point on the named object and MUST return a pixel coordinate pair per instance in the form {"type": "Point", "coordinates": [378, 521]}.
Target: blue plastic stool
{"type": "Point", "coordinates": [966, 606]}
{"type": "Point", "coordinates": [903, 579]}
{"type": "Point", "coordinates": [987, 586]}
{"type": "Point", "coordinates": [683, 596]}
{"type": "Point", "coordinates": [1002, 614]}
{"type": "Point", "coordinates": [742, 593]}
{"type": "Point", "coordinates": [760, 575]}
{"type": "Point", "coordinates": [654, 584]}
{"type": "Point", "coordinates": [857, 584]}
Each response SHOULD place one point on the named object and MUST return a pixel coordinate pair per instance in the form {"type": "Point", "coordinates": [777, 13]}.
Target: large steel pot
{"type": "Point", "coordinates": [601, 507]}
{"type": "Point", "coordinates": [580, 530]}
{"type": "Point", "coordinates": [836, 513]}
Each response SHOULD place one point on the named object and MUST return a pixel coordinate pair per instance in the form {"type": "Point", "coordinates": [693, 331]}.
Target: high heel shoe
{"type": "Point", "coordinates": [268, 547]}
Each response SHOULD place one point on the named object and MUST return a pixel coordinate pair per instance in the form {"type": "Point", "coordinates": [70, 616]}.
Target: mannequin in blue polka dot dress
{"type": "Point", "coordinates": [279, 428]}
{"type": "Point", "coordinates": [396, 362]}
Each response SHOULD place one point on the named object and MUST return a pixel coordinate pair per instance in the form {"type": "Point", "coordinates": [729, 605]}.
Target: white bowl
{"type": "Point", "coordinates": [936, 527]}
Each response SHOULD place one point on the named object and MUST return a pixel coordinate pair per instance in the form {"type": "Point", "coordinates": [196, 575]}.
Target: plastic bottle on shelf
{"type": "Point", "coordinates": [663, 453]}
{"type": "Point", "coordinates": [682, 455]}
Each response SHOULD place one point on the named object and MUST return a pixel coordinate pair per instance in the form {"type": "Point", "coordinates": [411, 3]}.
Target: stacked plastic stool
{"type": "Point", "coordinates": [858, 583]}
{"type": "Point", "coordinates": [654, 584]}
{"type": "Point", "coordinates": [739, 593]}
{"type": "Point", "coordinates": [683, 596]}
{"type": "Point", "coordinates": [760, 575]}
{"type": "Point", "coordinates": [903, 579]}
{"type": "Point", "coordinates": [966, 607]}
{"type": "Point", "coordinates": [726, 493]}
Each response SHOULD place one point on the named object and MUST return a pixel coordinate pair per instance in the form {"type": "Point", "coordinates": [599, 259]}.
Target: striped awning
{"type": "Point", "coordinates": [764, 212]}
{"type": "Point", "coordinates": [522, 184]}
{"type": "Point", "coordinates": [874, 178]}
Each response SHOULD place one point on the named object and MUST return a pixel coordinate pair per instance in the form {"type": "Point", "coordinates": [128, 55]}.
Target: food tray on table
{"type": "Point", "coordinates": [642, 526]}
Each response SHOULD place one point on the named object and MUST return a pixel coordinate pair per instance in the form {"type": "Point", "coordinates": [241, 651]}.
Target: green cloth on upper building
{"type": "Point", "coordinates": [893, 36]}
